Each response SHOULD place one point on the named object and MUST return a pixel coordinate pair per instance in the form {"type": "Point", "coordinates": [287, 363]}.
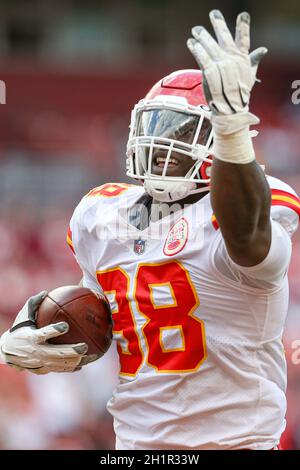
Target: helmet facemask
{"type": "Point", "coordinates": [168, 126]}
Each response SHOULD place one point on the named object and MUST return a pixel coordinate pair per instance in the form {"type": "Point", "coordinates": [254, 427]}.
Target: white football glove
{"type": "Point", "coordinates": [229, 71]}
{"type": "Point", "coordinates": [25, 347]}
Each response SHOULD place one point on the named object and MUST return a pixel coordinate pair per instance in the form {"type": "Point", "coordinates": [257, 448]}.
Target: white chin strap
{"type": "Point", "coordinates": [168, 191]}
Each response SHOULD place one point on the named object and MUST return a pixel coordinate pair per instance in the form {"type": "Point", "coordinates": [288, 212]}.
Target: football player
{"type": "Point", "coordinates": [194, 262]}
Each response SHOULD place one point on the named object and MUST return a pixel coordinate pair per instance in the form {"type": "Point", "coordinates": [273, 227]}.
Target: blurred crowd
{"type": "Point", "coordinates": [73, 70]}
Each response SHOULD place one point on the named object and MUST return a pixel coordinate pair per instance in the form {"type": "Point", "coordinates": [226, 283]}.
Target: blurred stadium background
{"type": "Point", "coordinates": [73, 70]}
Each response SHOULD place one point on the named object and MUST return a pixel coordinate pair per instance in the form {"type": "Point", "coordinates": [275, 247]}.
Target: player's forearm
{"type": "Point", "coordinates": [240, 198]}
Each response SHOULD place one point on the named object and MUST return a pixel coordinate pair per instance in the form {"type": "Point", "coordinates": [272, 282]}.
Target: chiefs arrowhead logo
{"type": "Point", "coordinates": [177, 238]}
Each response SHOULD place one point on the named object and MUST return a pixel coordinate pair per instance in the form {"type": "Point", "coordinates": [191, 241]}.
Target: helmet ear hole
{"type": "Point", "coordinates": [205, 169]}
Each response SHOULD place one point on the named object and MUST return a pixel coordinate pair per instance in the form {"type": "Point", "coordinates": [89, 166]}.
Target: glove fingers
{"type": "Point", "coordinates": [38, 371]}
{"type": "Point", "coordinates": [222, 32]}
{"type": "Point", "coordinates": [17, 368]}
{"type": "Point", "coordinates": [14, 358]}
{"type": "Point", "coordinates": [208, 43]}
{"type": "Point", "coordinates": [26, 316]}
{"type": "Point", "coordinates": [69, 366]}
{"type": "Point", "coordinates": [50, 331]}
{"type": "Point", "coordinates": [59, 365]}
{"type": "Point", "coordinates": [67, 351]}
{"type": "Point", "coordinates": [230, 76]}
{"type": "Point", "coordinates": [34, 303]}
{"type": "Point", "coordinates": [52, 364]}
{"type": "Point", "coordinates": [242, 32]}
{"type": "Point", "coordinates": [199, 53]}
{"type": "Point", "coordinates": [256, 56]}
{"type": "Point", "coordinates": [208, 67]}
{"type": "Point", "coordinates": [22, 362]}
{"type": "Point", "coordinates": [89, 358]}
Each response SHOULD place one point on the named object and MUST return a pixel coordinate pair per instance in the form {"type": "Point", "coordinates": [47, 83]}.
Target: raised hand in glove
{"type": "Point", "coordinates": [229, 71]}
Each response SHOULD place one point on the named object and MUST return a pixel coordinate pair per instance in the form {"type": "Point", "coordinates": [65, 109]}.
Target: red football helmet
{"type": "Point", "coordinates": [173, 117]}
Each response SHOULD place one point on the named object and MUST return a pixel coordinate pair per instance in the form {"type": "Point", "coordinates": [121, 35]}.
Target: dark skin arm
{"type": "Point", "coordinates": [241, 201]}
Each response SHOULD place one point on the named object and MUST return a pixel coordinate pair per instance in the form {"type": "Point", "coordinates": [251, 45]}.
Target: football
{"type": "Point", "coordinates": [87, 313]}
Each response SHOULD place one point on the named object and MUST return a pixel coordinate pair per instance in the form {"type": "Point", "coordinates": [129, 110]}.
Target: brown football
{"type": "Point", "coordinates": [88, 315]}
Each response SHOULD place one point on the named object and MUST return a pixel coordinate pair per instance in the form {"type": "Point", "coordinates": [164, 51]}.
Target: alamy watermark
{"type": "Point", "coordinates": [2, 92]}
{"type": "Point", "coordinates": [162, 224]}
{"type": "Point", "coordinates": [295, 357]}
{"type": "Point", "coordinates": [296, 94]}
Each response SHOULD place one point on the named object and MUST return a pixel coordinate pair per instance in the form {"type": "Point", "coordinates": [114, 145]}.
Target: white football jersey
{"type": "Point", "coordinates": [202, 364]}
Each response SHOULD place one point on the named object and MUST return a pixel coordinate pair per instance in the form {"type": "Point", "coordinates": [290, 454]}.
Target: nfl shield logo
{"type": "Point", "coordinates": [139, 246]}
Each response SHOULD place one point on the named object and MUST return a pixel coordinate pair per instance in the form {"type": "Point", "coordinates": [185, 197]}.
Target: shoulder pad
{"type": "Point", "coordinates": [110, 190]}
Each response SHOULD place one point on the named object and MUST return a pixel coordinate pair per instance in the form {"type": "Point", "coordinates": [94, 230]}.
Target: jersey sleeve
{"type": "Point", "coordinates": [285, 211]}
{"type": "Point", "coordinates": [76, 240]}
{"type": "Point", "coordinates": [271, 270]}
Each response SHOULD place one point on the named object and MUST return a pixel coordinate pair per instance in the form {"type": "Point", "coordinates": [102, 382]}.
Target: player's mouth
{"type": "Point", "coordinates": [160, 162]}
{"type": "Point", "coordinates": [178, 165]}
